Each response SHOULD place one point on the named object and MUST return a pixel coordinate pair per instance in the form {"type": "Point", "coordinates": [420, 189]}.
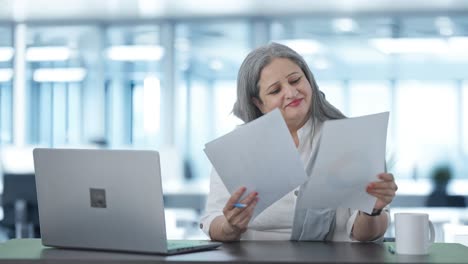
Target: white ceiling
{"type": "Point", "coordinates": [39, 10]}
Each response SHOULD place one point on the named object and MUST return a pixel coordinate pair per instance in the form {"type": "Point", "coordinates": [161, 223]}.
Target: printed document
{"type": "Point", "coordinates": [260, 155]}
{"type": "Point", "coordinates": [351, 154]}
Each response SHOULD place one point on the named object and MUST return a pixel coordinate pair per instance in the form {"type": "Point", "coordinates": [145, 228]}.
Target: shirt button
{"type": "Point", "coordinates": [201, 226]}
{"type": "Point", "coordinates": [296, 192]}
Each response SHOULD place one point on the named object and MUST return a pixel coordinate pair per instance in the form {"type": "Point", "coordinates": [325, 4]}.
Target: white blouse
{"type": "Point", "coordinates": [275, 222]}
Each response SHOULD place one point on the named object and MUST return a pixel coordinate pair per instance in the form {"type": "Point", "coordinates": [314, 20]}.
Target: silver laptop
{"type": "Point", "coordinates": [104, 199]}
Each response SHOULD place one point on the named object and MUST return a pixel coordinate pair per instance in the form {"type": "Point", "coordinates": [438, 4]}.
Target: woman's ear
{"type": "Point", "coordinates": [258, 103]}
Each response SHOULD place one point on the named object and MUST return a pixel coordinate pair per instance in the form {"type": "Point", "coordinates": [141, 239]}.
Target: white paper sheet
{"type": "Point", "coordinates": [261, 156]}
{"type": "Point", "coordinates": [351, 154]}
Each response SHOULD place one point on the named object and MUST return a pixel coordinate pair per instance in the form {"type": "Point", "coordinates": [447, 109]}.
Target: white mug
{"type": "Point", "coordinates": [414, 233]}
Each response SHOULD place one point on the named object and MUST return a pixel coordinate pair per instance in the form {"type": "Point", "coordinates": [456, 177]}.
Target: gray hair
{"type": "Point", "coordinates": [248, 88]}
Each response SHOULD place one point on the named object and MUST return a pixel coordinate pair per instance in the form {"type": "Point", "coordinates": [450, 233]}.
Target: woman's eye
{"type": "Point", "coordinates": [275, 91]}
{"type": "Point", "coordinates": [296, 80]}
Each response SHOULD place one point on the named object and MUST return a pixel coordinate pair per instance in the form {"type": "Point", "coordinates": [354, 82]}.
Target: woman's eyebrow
{"type": "Point", "coordinates": [271, 85]}
{"type": "Point", "coordinates": [292, 73]}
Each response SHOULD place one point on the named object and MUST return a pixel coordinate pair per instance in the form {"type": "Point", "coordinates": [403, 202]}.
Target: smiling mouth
{"type": "Point", "coordinates": [295, 102]}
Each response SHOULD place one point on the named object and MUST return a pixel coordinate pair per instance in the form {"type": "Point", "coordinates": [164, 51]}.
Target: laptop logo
{"type": "Point", "coordinates": [98, 198]}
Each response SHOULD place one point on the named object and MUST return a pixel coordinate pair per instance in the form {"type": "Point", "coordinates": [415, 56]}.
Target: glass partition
{"type": "Point", "coordinates": [173, 83]}
{"type": "Point", "coordinates": [208, 56]}
{"type": "Point", "coordinates": [367, 64]}
{"type": "Point", "coordinates": [426, 126]}
{"type": "Point", "coordinates": [335, 94]}
{"type": "Point", "coordinates": [369, 97]}
{"type": "Point", "coordinates": [464, 119]}
{"type": "Point", "coordinates": [135, 85]}
{"type": "Point", "coordinates": [6, 84]}
{"type": "Point", "coordinates": [63, 85]}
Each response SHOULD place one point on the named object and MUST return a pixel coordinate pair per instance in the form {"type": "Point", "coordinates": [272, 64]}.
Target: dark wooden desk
{"type": "Point", "coordinates": [32, 251]}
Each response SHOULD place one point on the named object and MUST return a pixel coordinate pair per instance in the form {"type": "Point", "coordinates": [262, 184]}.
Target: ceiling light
{"type": "Point", "coordinates": [444, 25]}
{"type": "Point", "coordinates": [135, 53]}
{"type": "Point", "coordinates": [446, 31]}
{"type": "Point", "coordinates": [6, 75]}
{"type": "Point", "coordinates": [216, 65]}
{"type": "Point", "coordinates": [302, 46]}
{"type": "Point", "coordinates": [6, 53]}
{"type": "Point", "coordinates": [344, 25]}
{"type": "Point", "coordinates": [150, 8]}
{"type": "Point", "coordinates": [409, 45]}
{"type": "Point", "coordinates": [48, 54]}
{"type": "Point", "coordinates": [59, 75]}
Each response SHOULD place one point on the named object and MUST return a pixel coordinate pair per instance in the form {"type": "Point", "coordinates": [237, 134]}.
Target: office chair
{"type": "Point", "coordinates": [19, 202]}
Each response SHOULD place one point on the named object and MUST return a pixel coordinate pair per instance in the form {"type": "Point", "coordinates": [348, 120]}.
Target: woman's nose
{"type": "Point", "coordinates": [291, 92]}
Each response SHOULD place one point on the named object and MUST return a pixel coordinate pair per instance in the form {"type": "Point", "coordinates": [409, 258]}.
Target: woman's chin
{"type": "Point", "coordinates": [295, 115]}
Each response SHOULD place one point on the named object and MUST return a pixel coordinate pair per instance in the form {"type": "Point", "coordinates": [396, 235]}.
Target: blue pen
{"type": "Point", "coordinates": [240, 205]}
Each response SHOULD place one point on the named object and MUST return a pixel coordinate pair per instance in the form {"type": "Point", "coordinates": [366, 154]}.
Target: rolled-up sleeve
{"type": "Point", "coordinates": [350, 224]}
{"type": "Point", "coordinates": [352, 218]}
{"type": "Point", "coordinates": [215, 202]}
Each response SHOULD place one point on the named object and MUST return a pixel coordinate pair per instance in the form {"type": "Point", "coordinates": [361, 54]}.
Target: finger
{"type": "Point", "coordinates": [244, 212]}
{"type": "Point", "coordinates": [382, 186]}
{"type": "Point", "coordinates": [245, 223]}
{"type": "Point", "coordinates": [234, 198]}
{"type": "Point", "coordinates": [231, 214]}
{"type": "Point", "coordinates": [247, 200]}
{"type": "Point", "coordinates": [244, 216]}
{"type": "Point", "coordinates": [247, 214]}
{"type": "Point", "coordinates": [387, 192]}
{"type": "Point", "coordinates": [386, 199]}
{"type": "Point", "coordinates": [386, 176]}
{"type": "Point", "coordinates": [230, 211]}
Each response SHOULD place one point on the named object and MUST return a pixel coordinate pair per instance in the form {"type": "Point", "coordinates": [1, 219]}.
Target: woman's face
{"type": "Point", "coordinates": [284, 85]}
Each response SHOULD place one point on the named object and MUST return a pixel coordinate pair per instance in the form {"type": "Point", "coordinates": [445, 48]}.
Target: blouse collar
{"type": "Point", "coordinates": [305, 130]}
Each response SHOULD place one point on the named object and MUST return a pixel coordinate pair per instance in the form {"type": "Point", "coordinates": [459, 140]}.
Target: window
{"type": "Point", "coordinates": [63, 84]}
{"type": "Point", "coordinates": [173, 82]}
{"type": "Point", "coordinates": [200, 125]}
{"type": "Point", "coordinates": [465, 119]}
{"type": "Point", "coordinates": [146, 112]}
{"type": "Point", "coordinates": [135, 86]}
{"type": "Point", "coordinates": [426, 125]}
{"type": "Point", "coordinates": [369, 97]}
{"type": "Point", "coordinates": [208, 57]}
{"type": "Point", "coordinates": [6, 77]}
{"type": "Point", "coordinates": [225, 95]}
{"type": "Point", "coordinates": [334, 94]}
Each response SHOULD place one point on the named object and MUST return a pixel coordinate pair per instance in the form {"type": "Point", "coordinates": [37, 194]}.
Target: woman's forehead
{"type": "Point", "coordinates": [277, 69]}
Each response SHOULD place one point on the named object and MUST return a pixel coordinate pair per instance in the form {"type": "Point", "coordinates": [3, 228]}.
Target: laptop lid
{"type": "Point", "coordinates": [101, 199]}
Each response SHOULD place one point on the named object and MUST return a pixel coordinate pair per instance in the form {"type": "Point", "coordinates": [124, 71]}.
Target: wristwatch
{"type": "Point", "coordinates": [375, 212]}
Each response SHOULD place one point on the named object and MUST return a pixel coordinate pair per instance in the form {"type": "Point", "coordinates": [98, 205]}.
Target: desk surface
{"type": "Point", "coordinates": [32, 251]}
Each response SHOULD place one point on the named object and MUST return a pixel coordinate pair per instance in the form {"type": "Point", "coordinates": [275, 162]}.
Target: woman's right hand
{"type": "Point", "coordinates": [237, 219]}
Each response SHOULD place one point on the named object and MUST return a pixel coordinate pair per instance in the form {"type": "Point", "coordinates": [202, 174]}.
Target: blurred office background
{"type": "Point", "coordinates": [160, 74]}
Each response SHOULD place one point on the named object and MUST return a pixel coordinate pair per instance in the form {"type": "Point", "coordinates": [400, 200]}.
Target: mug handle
{"type": "Point", "coordinates": [432, 233]}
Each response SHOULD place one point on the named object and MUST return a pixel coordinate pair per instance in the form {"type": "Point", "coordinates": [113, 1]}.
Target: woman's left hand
{"type": "Point", "coordinates": [384, 190]}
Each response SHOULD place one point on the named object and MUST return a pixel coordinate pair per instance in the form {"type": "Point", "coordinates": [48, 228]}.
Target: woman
{"type": "Point", "coordinates": [275, 76]}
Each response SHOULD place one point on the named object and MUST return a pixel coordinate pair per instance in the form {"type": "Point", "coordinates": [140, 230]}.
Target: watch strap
{"type": "Point", "coordinates": [375, 212]}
